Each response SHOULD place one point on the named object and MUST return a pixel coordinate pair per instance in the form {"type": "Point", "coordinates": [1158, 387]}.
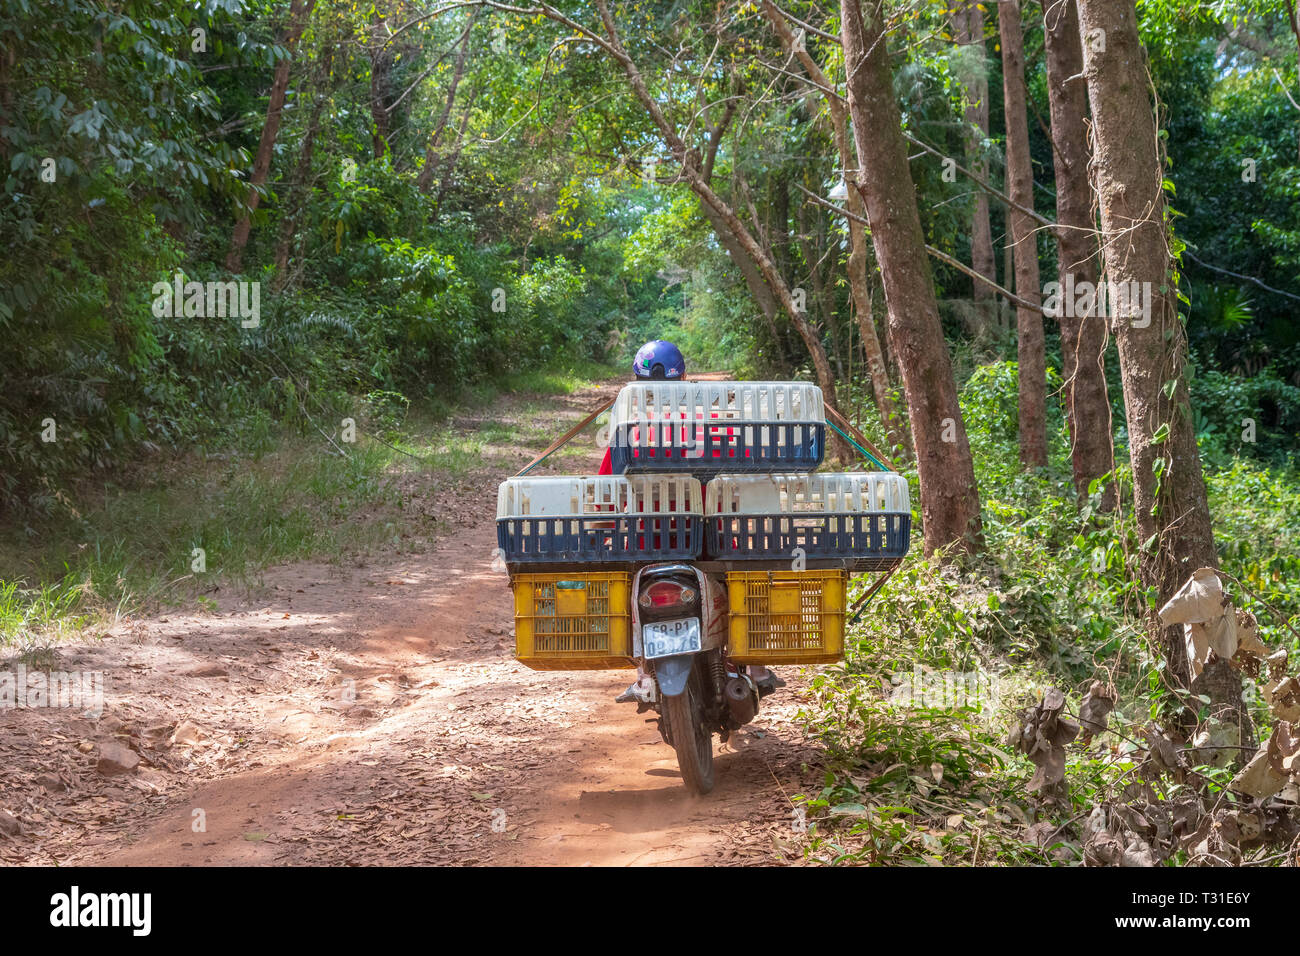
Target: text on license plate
{"type": "Point", "coordinates": [666, 638]}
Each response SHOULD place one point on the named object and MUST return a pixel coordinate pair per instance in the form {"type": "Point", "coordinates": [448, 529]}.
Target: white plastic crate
{"type": "Point", "coordinates": [774, 402]}
{"type": "Point", "coordinates": [861, 520]}
{"type": "Point", "coordinates": [827, 493]}
{"type": "Point", "coordinates": [717, 426]}
{"type": "Point", "coordinates": [600, 518]}
{"type": "Point", "coordinates": [576, 497]}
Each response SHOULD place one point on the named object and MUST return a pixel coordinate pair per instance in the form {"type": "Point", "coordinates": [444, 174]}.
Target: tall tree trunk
{"type": "Point", "coordinates": [297, 194]}
{"type": "Point", "coordinates": [950, 505]}
{"type": "Point", "coordinates": [382, 57]}
{"type": "Point", "coordinates": [1030, 348]}
{"type": "Point", "coordinates": [1083, 337]}
{"type": "Point", "coordinates": [859, 260]}
{"type": "Point", "coordinates": [1169, 493]}
{"type": "Point", "coordinates": [432, 151]}
{"type": "Point", "coordinates": [448, 166]}
{"type": "Point", "coordinates": [877, 368]}
{"type": "Point", "coordinates": [299, 11]}
{"type": "Point", "coordinates": [968, 24]}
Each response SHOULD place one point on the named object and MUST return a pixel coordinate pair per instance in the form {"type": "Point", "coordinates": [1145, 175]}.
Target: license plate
{"type": "Point", "coordinates": [667, 638]}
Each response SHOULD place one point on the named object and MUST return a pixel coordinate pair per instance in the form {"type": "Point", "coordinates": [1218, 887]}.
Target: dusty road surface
{"type": "Point", "coordinates": [371, 712]}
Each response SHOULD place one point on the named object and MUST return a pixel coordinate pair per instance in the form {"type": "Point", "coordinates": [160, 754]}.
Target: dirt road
{"type": "Point", "coordinates": [372, 713]}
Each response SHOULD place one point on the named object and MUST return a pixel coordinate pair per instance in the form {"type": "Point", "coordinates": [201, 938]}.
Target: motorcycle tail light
{"type": "Point", "coordinates": [666, 594]}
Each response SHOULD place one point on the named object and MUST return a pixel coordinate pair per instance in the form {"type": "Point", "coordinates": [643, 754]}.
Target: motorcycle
{"type": "Point", "coordinates": [680, 642]}
{"type": "Point", "coordinates": [713, 547]}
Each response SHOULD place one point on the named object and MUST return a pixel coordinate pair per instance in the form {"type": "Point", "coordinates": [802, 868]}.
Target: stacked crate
{"type": "Point", "coordinates": [554, 532]}
{"type": "Point", "coordinates": [721, 474]}
{"type": "Point", "coordinates": [703, 428]}
{"type": "Point", "coordinates": [861, 519]}
{"type": "Point", "coordinates": [789, 543]}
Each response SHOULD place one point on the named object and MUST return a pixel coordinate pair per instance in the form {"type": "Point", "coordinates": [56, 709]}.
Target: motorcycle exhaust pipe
{"type": "Point", "coordinates": [742, 701]}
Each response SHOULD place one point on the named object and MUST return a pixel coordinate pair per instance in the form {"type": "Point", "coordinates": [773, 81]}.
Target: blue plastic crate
{"type": "Point", "coordinates": [600, 539]}
{"type": "Point", "coordinates": [600, 519]}
{"type": "Point", "coordinates": [695, 447]}
{"type": "Point", "coordinates": [863, 519]}
{"type": "Point", "coordinates": [711, 427]}
{"type": "Point", "coordinates": [867, 542]}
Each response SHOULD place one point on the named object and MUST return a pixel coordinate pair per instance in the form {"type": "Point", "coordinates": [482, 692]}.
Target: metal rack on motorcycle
{"type": "Point", "coordinates": [710, 427]}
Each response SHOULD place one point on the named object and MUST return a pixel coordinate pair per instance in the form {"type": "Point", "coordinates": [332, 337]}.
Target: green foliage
{"type": "Point", "coordinates": [1257, 417]}
{"type": "Point", "coordinates": [945, 656]}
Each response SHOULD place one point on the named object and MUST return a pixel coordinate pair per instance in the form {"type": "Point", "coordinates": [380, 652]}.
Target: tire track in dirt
{"type": "Point", "coordinates": [374, 714]}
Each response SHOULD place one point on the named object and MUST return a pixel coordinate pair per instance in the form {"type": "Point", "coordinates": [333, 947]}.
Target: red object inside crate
{"type": "Point", "coordinates": [606, 467]}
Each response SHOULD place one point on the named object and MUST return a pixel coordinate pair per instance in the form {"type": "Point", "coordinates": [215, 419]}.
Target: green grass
{"type": "Point", "coordinates": [138, 545]}
{"type": "Point", "coordinates": [1053, 601]}
{"type": "Point", "coordinates": [131, 545]}
{"type": "Point", "coordinates": [564, 380]}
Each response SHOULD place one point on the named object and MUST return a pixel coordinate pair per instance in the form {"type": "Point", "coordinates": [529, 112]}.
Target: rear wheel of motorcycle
{"type": "Point", "coordinates": [691, 738]}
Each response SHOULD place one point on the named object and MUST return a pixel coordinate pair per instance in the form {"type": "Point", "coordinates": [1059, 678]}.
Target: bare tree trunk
{"type": "Point", "coordinates": [297, 194]}
{"type": "Point", "coordinates": [1172, 513]}
{"type": "Point", "coordinates": [431, 153]}
{"type": "Point", "coordinates": [299, 11]}
{"type": "Point", "coordinates": [754, 281]}
{"type": "Point", "coordinates": [449, 165]}
{"type": "Point", "coordinates": [858, 256]}
{"type": "Point", "coordinates": [1083, 337]}
{"type": "Point", "coordinates": [968, 25]}
{"type": "Point", "coordinates": [381, 68]}
{"type": "Point", "coordinates": [1030, 348]}
{"type": "Point", "coordinates": [950, 505]}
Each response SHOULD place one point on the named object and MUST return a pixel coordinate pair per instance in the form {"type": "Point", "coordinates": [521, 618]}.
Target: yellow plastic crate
{"type": "Point", "coordinates": [576, 621]}
{"type": "Point", "coordinates": [786, 617]}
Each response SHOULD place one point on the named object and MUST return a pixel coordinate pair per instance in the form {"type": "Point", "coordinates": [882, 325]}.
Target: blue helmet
{"type": "Point", "coordinates": [659, 360]}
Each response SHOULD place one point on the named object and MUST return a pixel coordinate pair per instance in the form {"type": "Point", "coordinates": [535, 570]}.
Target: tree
{"type": "Point", "coordinates": [690, 171]}
{"type": "Point", "coordinates": [950, 506]}
{"type": "Point", "coordinates": [299, 12]}
{"type": "Point", "coordinates": [1083, 337]}
{"type": "Point", "coordinates": [1172, 512]}
{"type": "Point", "coordinates": [1020, 185]}
{"type": "Point", "coordinates": [968, 28]}
{"type": "Point", "coordinates": [858, 258]}
{"type": "Point", "coordinates": [432, 153]}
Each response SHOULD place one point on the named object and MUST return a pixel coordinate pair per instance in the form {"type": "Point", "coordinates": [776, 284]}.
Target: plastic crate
{"type": "Point", "coordinates": [573, 621]}
{"type": "Point", "coordinates": [600, 518]}
{"type": "Point", "coordinates": [863, 518]}
{"type": "Point", "coordinates": [717, 426]}
{"type": "Point", "coordinates": [786, 617]}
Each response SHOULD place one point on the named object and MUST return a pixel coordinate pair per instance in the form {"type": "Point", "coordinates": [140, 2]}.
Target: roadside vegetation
{"type": "Point", "coordinates": [129, 543]}
{"type": "Point", "coordinates": [949, 654]}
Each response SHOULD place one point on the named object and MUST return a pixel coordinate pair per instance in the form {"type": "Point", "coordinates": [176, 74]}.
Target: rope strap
{"type": "Point", "coordinates": [564, 439]}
